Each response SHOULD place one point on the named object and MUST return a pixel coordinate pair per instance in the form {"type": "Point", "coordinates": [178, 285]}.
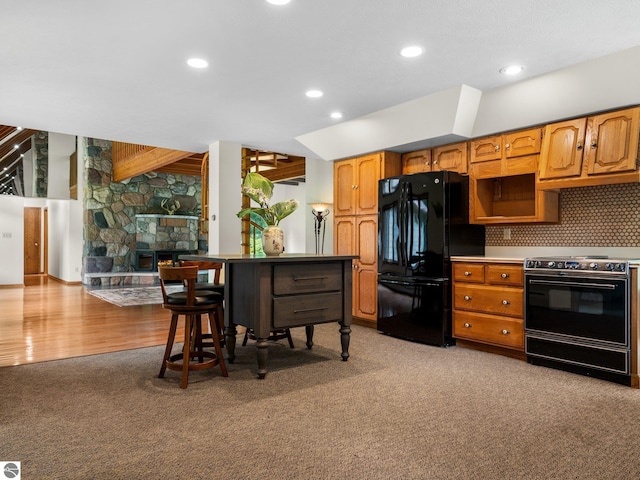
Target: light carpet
{"type": "Point", "coordinates": [128, 297]}
{"type": "Point", "coordinates": [395, 410]}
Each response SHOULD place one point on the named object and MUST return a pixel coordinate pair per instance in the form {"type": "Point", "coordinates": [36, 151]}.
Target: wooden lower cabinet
{"type": "Point", "coordinates": [488, 303]}
{"type": "Point", "coordinates": [358, 235]}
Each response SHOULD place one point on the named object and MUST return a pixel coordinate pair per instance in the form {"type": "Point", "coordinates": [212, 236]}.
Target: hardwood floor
{"type": "Point", "coordinates": [48, 320]}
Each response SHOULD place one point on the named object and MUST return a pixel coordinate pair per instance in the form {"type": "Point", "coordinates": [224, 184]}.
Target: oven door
{"type": "Point", "coordinates": [588, 308]}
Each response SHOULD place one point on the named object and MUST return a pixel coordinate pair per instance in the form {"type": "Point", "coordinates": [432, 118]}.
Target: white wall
{"type": "Point", "coordinates": [601, 84]}
{"type": "Point", "coordinates": [319, 180]}
{"type": "Point", "coordinates": [66, 216]}
{"type": "Point", "coordinates": [11, 240]}
{"type": "Point", "coordinates": [60, 149]}
{"type": "Point", "coordinates": [225, 159]}
{"type": "Point", "coordinates": [294, 226]}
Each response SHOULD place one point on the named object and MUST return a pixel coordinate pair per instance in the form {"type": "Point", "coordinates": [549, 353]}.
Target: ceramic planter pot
{"type": "Point", "coordinates": [272, 240]}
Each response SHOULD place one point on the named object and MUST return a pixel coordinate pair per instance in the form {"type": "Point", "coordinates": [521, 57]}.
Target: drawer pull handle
{"type": "Point", "coordinates": [306, 310]}
{"type": "Point", "coordinates": [505, 332]}
{"type": "Point", "coordinates": [505, 275]}
{"type": "Point", "coordinates": [467, 298]}
{"type": "Point", "coordinates": [307, 279]}
{"type": "Point", "coordinates": [467, 274]}
{"type": "Point", "coordinates": [506, 302]}
{"type": "Point", "coordinates": [467, 325]}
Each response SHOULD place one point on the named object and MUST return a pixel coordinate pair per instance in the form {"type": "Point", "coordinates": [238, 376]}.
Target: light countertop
{"type": "Point", "coordinates": [486, 259]}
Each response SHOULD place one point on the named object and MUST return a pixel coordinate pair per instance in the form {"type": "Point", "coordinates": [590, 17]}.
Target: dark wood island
{"type": "Point", "coordinates": [266, 293]}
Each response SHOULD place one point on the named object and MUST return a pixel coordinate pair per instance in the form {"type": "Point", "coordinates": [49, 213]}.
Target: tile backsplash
{"type": "Point", "coordinates": [602, 216]}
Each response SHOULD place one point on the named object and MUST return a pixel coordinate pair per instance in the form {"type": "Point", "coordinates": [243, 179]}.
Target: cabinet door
{"type": "Point", "coordinates": [452, 157]}
{"type": "Point", "coordinates": [525, 142]}
{"type": "Point", "coordinates": [612, 142]}
{"type": "Point", "coordinates": [414, 162]}
{"type": "Point", "coordinates": [487, 148]}
{"type": "Point", "coordinates": [344, 242]}
{"type": "Point", "coordinates": [562, 149]}
{"type": "Point", "coordinates": [344, 184]}
{"type": "Point", "coordinates": [367, 176]}
{"type": "Point", "coordinates": [366, 271]}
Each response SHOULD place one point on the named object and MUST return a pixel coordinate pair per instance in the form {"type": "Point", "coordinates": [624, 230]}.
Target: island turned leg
{"type": "Point", "coordinates": [261, 345]}
{"type": "Point", "coordinates": [309, 330]}
{"type": "Point", "coordinates": [230, 341]}
{"type": "Point", "coordinates": [345, 331]}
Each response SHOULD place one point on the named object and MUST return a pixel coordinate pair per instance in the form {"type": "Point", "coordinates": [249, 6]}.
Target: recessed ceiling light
{"type": "Point", "coordinates": [278, 2]}
{"type": "Point", "coordinates": [336, 115]}
{"type": "Point", "coordinates": [197, 63]}
{"type": "Point", "coordinates": [512, 69]}
{"type": "Point", "coordinates": [412, 51]}
{"type": "Point", "coordinates": [314, 93]}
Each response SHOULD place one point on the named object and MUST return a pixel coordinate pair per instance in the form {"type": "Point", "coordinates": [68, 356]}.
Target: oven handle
{"type": "Point", "coordinates": [601, 286]}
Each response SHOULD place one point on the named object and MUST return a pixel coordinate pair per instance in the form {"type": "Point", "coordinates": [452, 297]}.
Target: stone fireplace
{"type": "Point", "coordinates": [163, 238]}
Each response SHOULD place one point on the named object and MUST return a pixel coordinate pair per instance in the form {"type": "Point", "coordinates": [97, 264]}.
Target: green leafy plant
{"type": "Point", "coordinates": [260, 189]}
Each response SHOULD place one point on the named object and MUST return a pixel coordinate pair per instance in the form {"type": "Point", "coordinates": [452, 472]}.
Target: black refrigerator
{"type": "Point", "coordinates": [423, 220]}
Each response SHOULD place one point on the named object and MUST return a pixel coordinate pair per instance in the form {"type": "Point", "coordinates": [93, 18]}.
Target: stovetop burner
{"type": "Point", "coordinates": [601, 264]}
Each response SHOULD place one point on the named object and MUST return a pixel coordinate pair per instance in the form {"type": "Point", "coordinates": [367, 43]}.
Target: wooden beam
{"type": "Point", "coordinates": [285, 171]}
{"type": "Point", "coordinates": [144, 161]}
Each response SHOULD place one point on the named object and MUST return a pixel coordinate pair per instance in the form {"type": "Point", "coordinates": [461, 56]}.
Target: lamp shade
{"type": "Point", "coordinates": [320, 207]}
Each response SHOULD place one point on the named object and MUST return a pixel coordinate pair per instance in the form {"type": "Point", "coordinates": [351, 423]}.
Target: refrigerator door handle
{"type": "Point", "coordinates": [403, 225]}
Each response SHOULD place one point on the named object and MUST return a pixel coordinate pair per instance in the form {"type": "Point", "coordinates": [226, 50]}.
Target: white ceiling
{"type": "Point", "coordinates": [116, 69]}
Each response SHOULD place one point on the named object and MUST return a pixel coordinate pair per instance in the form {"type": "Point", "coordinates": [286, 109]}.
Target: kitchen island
{"type": "Point", "coordinates": [267, 293]}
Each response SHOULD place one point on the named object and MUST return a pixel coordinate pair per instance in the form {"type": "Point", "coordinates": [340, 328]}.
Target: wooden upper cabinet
{"type": "Point", "coordinates": [524, 142]}
{"type": "Point", "coordinates": [416, 162]}
{"type": "Point", "coordinates": [562, 149]}
{"type": "Point", "coordinates": [355, 182]}
{"type": "Point", "coordinates": [509, 145]}
{"type": "Point", "coordinates": [453, 157]}
{"type": "Point", "coordinates": [612, 142]}
{"type": "Point", "coordinates": [512, 153]}
{"type": "Point", "coordinates": [486, 148]}
{"type": "Point", "coordinates": [597, 150]}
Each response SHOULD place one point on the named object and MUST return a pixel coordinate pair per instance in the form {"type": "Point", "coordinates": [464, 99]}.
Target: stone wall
{"type": "Point", "coordinates": [166, 232]}
{"type": "Point", "coordinates": [110, 207]}
{"type": "Point", "coordinates": [41, 164]}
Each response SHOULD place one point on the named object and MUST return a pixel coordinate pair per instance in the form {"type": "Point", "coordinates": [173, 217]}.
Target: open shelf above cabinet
{"type": "Point", "coordinates": [511, 200]}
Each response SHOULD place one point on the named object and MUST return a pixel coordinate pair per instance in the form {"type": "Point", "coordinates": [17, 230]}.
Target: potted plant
{"type": "Point", "coordinates": [260, 190]}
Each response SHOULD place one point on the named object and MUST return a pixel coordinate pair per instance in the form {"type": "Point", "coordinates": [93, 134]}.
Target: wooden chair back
{"type": "Point", "coordinates": [202, 265]}
{"type": "Point", "coordinates": [186, 275]}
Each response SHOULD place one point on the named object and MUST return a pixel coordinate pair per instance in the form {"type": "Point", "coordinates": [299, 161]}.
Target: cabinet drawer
{"type": "Point", "coordinates": [306, 278]}
{"type": "Point", "coordinates": [505, 275]}
{"type": "Point", "coordinates": [497, 300]}
{"type": "Point", "coordinates": [502, 331]}
{"type": "Point", "coordinates": [468, 272]}
{"type": "Point", "coordinates": [307, 309]}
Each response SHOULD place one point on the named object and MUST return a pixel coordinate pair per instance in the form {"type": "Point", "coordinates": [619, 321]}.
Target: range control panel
{"type": "Point", "coordinates": [582, 264]}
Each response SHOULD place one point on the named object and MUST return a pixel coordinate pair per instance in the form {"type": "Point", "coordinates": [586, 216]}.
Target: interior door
{"type": "Point", "coordinates": [32, 234]}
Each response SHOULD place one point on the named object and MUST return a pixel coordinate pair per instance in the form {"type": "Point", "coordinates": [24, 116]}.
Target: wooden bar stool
{"type": "Point", "coordinates": [214, 286]}
{"type": "Point", "coordinates": [192, 305]}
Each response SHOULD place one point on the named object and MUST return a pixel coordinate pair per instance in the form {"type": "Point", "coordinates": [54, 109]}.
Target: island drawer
{"type": "Point", "coordinates": [307, 309]}
{"type": "Point", "coordinates": [290, 279]}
